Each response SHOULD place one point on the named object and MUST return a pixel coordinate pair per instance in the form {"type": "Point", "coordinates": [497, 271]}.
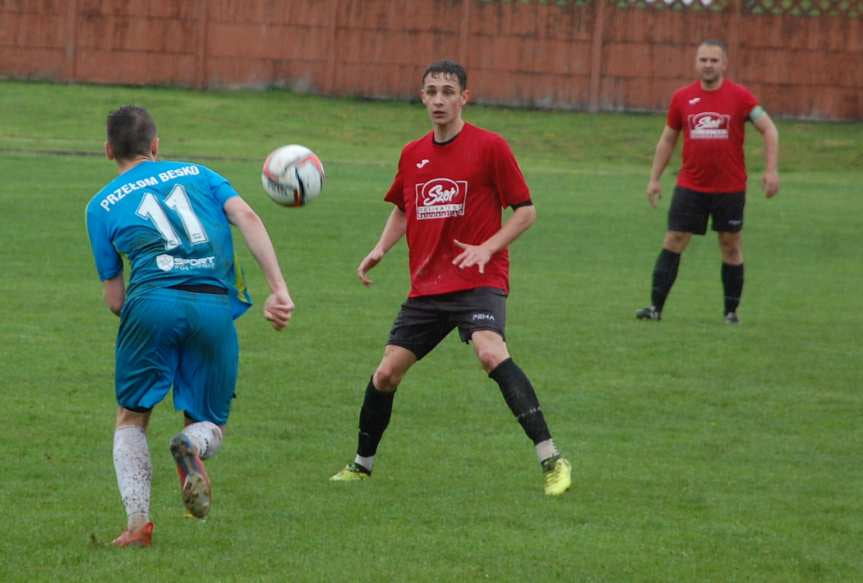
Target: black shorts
{"type": "Point", "coordinates": [690, 209]}
{"type": "Point", "coordinates": [423, 322]}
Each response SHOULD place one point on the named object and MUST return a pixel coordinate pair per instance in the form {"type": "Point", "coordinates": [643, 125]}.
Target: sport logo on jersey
{"type": "Point", "coordinates": [171, 263]}
{"type": "Point", "coordinates": [441, 198]}
{"type": "Point", "coordinates": [709, 126]}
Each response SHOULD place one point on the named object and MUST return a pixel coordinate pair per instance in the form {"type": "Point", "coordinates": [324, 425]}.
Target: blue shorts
{"type": "Point", "coordinates": [176, 338]}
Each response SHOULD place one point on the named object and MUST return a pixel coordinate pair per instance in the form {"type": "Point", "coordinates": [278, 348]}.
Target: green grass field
{"type": "Point", "coordinates": [701, 452]}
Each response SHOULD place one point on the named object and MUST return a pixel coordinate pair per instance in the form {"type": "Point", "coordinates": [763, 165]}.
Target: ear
{"type": "Point", "coordinates": [465, 96]}
{"type": "Point", "coordinates": [109, 151]}
{"type": "Point", "coordinates": [154, 147]}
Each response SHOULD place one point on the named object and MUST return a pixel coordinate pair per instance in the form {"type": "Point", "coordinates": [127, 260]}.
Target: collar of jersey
{"type": "Point", "coordinates": [449, 141]}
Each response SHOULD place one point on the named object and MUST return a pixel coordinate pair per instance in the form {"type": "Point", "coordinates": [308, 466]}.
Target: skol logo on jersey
{"type": "Point", "coordinates": [441, 198]}
{"type": "Point", "coordinates": [709, 126]}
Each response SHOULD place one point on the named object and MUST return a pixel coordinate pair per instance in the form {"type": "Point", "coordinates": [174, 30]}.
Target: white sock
{"type": "Point", "coordinates": [366, 462]}
{"type": "Point", "coordinates": [205, 436]}
{"type": "Point", "coordinates": [134, 473]}
{"type": "Point", "coordinates": [546, 449]}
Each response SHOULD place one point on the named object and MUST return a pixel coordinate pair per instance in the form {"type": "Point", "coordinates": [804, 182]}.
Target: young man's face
{"type": "Point", "coordinates": [710, 64]}
{"type": "Point", "coordinates": [443, 97]}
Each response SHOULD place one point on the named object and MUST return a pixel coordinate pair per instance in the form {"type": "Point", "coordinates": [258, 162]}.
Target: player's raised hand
{"type": "Point", "coordinates": [471, 255]}
{"type": "Point", "coordinates": [278, 309]}
{"type": "Point", "coordinates": [367, 264]}
{"type": "Point", "coordinates": [770, 184]}
{"type": "Point", "coordinates": [654, 192]}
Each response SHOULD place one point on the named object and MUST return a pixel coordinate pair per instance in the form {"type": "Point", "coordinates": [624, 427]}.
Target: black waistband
{"type": "Point", "coordinates": [201, 288]}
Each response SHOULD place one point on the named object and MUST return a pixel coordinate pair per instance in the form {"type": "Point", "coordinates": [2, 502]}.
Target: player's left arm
{"type": "Point", "coordinates": [114, 293]}
{"type": "Point", "coordinates": [522, 218]}
{"type": "Point", "coordinates": [278, 307]}
{"type": "Point", "coordinates": [765, 125]}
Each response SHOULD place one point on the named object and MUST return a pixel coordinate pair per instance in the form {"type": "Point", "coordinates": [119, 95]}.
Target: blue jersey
{"type": "Point", "coordinates": [168, 219]}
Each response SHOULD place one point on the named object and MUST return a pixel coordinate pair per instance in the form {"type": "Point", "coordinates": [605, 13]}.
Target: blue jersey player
{"type": "Point", "coordinates": [172, 222]}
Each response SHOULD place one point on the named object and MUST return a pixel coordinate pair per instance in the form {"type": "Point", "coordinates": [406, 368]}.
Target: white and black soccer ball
{"type": "Point", "coordinates": [293, 175]}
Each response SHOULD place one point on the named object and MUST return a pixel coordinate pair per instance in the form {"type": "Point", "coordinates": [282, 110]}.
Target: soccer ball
{"type": "Point", "coordinates": [292, 175]}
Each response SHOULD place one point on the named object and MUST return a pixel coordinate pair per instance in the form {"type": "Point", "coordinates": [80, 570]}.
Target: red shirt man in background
{"type": "Point", "coordinates": [448, 195]}
{"type": "Point", "coordinates": [712, 113]}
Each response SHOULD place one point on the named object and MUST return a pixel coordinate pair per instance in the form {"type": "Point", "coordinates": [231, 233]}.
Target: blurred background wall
{"type": "Point", "coordinates": [802, 58]}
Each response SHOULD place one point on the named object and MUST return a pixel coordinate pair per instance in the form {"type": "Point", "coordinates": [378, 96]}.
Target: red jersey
{"type": "Point", "coordinates": [455, 190]}
{"type": "Point", "coordinates": [713, 129]}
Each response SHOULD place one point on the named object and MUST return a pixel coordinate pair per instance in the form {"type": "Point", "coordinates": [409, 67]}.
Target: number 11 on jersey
{"type": "Point", "coordinates": [178, 201]}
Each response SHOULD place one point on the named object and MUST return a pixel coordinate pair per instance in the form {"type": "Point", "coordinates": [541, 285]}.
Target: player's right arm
{"type": "Point", "coordinates": [109, 265]}
{"type": "Point", "coordinates": [279, 306]}
{"type": "Point", "coordinates": [664, 149]}
{"type": "Point", "coordinates": [394, 230]}
{"type": "Point", "coordinates": [114, 293]}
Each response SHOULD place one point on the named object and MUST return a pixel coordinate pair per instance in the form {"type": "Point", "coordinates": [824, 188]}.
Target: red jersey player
{"type": "Point", "coordinates": [711, 113]}
{"type": "Point", "coordinates": [448, 195]}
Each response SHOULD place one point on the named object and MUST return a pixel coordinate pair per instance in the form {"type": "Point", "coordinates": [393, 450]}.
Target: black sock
{"type": "Point", "coordinates": [664, 274]}
{"type": "Point", "coordinates": [521, 398]}
{"type": "Point", "coordinates": [732, 284]}
{"type": "Point", "coordinates": [374, 418]}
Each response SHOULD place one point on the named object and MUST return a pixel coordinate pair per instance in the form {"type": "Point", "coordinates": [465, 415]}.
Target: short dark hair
{"type": "Point", "coordinates": [131, 129]}
{"type": "Point", "coordinates": [712, 42]}
{"type": "Point", "coordinates": [446, 67]}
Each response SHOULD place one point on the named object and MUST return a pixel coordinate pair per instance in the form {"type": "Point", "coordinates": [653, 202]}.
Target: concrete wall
{"type": "Point", "coordinates": [596, 55]}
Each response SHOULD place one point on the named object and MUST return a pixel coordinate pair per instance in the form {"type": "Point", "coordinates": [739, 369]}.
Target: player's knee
{"type": "Point", "coordinates": [490, 357]}
{"type": "Point", "coordinates": [731, 251]}
{"type": "Point", "coordinates": [675, 241]}
{"type": "Point", "coordinates": [732, 256]}
{"type": "Point", "coordinates": [129, 417]}
{"type": "Point", "coordinates": [387, 378]}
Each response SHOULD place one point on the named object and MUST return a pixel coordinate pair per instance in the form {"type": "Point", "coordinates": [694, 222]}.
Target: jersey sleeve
{"type": "Point", "coordinates": [508, 179]}
{"type": "Point", "coordinates": [395, 193]}
{"type": "Point", "coordinates": [109, 264]}
{"type": "Point", "coordinates": [674, 118]}
{"type": "Point", "coordinates": [748, 102]}
{"type": "Point", "coordinates": [220, 186]}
